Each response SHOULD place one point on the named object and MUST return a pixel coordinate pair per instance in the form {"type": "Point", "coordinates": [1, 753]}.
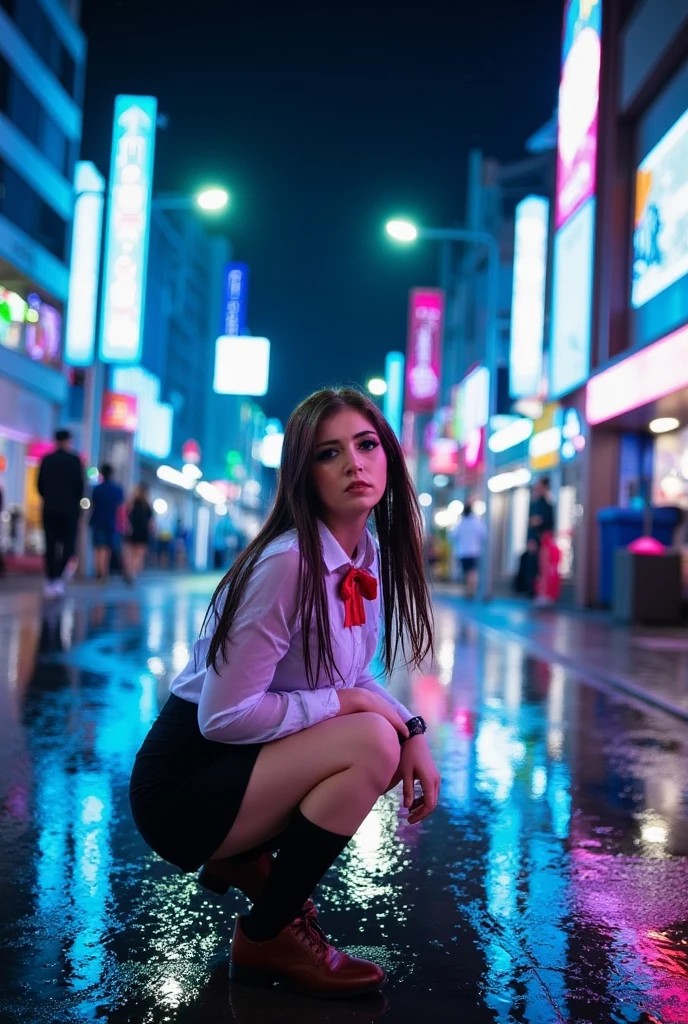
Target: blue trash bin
{"type": "Point", "coordinates": [618, 528]}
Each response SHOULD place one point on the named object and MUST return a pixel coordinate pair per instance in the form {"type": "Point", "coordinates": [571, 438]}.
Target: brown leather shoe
{"type": "Point", "coordinates": [248, 876]}
{"type": "Point", "coordinates": [301, 957]}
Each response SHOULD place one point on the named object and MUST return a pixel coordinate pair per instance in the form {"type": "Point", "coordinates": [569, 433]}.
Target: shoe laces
{"type": "Point", "coordinates": [310, 932]}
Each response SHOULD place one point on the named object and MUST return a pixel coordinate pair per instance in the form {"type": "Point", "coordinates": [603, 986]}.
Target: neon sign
{"type": "Point", "coordinates": [131, 180]}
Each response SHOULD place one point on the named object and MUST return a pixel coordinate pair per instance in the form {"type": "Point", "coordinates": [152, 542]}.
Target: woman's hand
{"type": "Point", "coordinates": [356, 699]}
{"type": "Point", "coordinates": [417, 764]}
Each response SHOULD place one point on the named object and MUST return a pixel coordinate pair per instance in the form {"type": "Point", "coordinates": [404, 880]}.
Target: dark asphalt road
{"type": "Point", "coordinates": [550, 886]}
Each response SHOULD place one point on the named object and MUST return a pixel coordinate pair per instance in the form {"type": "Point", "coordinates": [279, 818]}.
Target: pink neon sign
{"type": "Point", "coordinates": [652, 373]}
{"type": "Point", "coordinates": [579, 100]}
{"type": "Point", "coordinates": [424, 349]}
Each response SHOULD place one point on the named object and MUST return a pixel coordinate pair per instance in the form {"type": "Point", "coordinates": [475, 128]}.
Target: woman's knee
{"type": "Point", "coordinates": [376, 745]}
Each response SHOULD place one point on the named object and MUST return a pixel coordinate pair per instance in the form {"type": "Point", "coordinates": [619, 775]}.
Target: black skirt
{"type": "Point", "coordinates": [186, 791]}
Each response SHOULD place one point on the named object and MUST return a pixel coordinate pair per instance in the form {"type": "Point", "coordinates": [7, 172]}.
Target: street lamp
{"type": "Point", "coordinates": [377, 386]}
{"type": "Point", "coordinates": [212, 199]}
{"type": "Point", "coordinates": [402, 230]}
{"type": "Point", "coordinates": [405, 231]}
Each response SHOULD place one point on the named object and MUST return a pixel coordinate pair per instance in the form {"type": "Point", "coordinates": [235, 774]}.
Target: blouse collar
{"type": "Point", "coordinates": [334, 555]}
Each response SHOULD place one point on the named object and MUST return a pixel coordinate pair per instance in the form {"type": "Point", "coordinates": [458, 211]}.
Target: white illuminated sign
{"type": "Point", "coordinates": [84, 271]}
{"type": "Point", "coordinates": [545, 443]}
{"type": "Point", "coordinates": [475, 402]}
{"type": "Point", "coordinates": [131, 181]}
{"type": "Point", "coordinates": [528, 297]}
{"type": "Point", "coordinates": [154, 433]}
{"type": "Point", "coordinates": [507, 481]}
{"type": "Point", "coordinates": [511, 435]}
{"type": "Point", "coordinates": [242, 366]}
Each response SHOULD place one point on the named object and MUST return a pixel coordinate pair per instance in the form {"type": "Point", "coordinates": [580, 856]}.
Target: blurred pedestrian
{"type": "Point", "coordinates": [61, 486]}
{"type": "Point", "coordinates": [276, 735]}
{"type": "Point", "coordinates": [140, 518]}
{"type": "Point", "coordinates": [468, 542]}
{"type": "Point", "coordinates": [106, 501]}
{"type": "Point", "coordinates": [545, 555]}
{"type": "Point", "coordinates": [3, 564]}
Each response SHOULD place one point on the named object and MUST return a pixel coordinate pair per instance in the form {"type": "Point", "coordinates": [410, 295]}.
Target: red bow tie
{"type": "Point", "coordinates": [356, 585]}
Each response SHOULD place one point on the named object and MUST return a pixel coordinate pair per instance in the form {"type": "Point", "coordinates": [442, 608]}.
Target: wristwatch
{"type": "Point", "coordinates": [416, 727]}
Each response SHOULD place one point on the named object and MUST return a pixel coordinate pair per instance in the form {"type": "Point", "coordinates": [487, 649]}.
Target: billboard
{"type": "Point", "coordinates": [660, 239]}
{"type": "Point", "coordinates": [579, 100]}
{"type": "Point", "coordinates": [528, 297]}
{"type": "Point", "coordinates": [128, 224]}
{"type": "Point", "coordinates": [572, 302]}
{"type": "Point", "coordinates": [84, 269]}
{"type": "Point", "coordinates": [235, 300]}
{"type": "Point", "coordinates": [242, 366]}
{"type": "Point", "coordinates": [424, 349]}
{"type": "Point", "coordinates": [119, 412]}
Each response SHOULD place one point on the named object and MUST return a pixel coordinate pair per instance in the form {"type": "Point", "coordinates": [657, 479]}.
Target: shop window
{"type": "Point", "coordinates": [40, 33]}
{"type": "Point", "coordinates": [4, 83]}
{"type": "Point", "coordinates": [52, 231]}
{"type": "Point", "coordinates": [23, 207]}
{"type": "Point", "coordinates": [24, 110]}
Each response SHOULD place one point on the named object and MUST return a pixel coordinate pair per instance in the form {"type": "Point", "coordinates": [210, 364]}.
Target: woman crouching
{"type": "Point", "coordinates": [276, 736]}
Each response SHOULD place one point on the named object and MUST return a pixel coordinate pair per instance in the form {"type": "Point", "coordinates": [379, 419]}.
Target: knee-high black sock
{"type": "Point", "coordinates": [305, 854]}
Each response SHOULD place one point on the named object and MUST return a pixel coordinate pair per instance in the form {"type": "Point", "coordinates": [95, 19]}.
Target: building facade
{"type": "Point", "coordinates": [42, 70]}
{"type": "Point", "coordinates": [633, 401]}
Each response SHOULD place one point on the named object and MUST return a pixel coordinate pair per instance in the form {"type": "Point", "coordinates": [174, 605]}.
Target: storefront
{"type": "Point", "coordinates": [32, 390]}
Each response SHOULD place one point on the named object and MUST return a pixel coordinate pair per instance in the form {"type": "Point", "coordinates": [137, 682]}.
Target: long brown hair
{"type": "Point", "coordinates": [398, 521]}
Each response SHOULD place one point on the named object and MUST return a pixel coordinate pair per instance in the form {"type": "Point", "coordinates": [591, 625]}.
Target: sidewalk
{"type": "Point", "coordinates": [648, 663]}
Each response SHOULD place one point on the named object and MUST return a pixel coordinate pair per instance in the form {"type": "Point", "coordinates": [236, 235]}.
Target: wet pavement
{"type": "Point", "coordinates": [650, 662]}
{"type": "Point", "coordinates": [551, 884]}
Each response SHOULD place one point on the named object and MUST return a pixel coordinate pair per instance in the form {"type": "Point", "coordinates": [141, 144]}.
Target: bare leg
{"type": "Point", "coordinates": [471, 582]}
{"type": "Point", "coordinates": [102, 562]}
{"type": "Point", "coordinates": [334, 772]}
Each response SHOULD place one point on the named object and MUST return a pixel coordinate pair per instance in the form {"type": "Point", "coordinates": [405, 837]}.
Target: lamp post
{"type": "Point", "coordinates": [405, 231]}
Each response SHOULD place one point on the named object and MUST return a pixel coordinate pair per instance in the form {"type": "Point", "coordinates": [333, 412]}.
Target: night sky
{"type": "Point", "coordinates": [322, 120]}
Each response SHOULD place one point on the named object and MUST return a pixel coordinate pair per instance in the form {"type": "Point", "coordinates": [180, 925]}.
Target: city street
{"type": "Point", "coordinates": [551, 884]}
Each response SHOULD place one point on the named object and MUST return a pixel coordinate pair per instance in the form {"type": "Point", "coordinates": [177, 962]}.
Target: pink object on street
{"type": "Point", "coordinates": [646, 546]}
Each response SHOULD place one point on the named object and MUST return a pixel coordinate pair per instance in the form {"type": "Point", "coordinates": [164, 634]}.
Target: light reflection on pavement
{"type": "Point", "coordinates": [549, 886]}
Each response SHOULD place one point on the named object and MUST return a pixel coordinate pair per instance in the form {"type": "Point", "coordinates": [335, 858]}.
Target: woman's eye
{"type": "Point", "coordinates": [371, 445]}
{"type": "Point", "coordinates": [327, 454]}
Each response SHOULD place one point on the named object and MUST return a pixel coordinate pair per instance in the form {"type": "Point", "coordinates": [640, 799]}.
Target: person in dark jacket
{"type": "Point", "coordinates": [106, 500]}
{"type": "Point", "coordinates": [61, 486]}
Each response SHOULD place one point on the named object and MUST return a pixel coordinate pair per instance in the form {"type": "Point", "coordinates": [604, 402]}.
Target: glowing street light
{"type": "Point", "coordinates": [377, 386]}
{"type": "Point", "coordinates": [212, 199]}
{"type": "Point", "coordinates": [402, 230]}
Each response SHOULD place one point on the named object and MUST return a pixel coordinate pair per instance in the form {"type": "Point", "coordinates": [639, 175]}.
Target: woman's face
{"type": "Point", "coordinates": [349, 465]}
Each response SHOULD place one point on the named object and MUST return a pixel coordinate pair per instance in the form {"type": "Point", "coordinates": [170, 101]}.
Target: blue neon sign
{"type": "Point", "coordinates": [235, 300]}
{"type": "Point", "coordinates": [128, 225]}
{"type": "Point", "coordinates": [393, 402]}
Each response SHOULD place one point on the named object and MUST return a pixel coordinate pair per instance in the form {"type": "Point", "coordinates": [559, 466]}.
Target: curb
{"type": "Point", "coordinates": [589, 674]}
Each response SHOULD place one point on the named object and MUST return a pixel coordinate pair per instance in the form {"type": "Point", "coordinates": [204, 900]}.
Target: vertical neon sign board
{"type": "Point", "coordinates": [84, 272]}
{"type": "Point", "coordinates": [424, 349]}
{"type": "Point", "coordinates": [579, 102]}
{"type": "Point", "coordinates": [128, 225]}
{"type": "Point", "coordinates": [393, 402]}
{"type": "Point", "coordinates": [574, 241]}
{"type": "Point", "coordinates": [528, 297]}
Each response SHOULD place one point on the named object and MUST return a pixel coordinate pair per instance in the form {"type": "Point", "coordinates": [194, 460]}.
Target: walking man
{"type": "Point", "coordinates": [61, 486]}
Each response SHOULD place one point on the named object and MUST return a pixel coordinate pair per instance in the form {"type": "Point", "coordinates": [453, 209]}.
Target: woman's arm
{"type": "Point", "coordinates": [366, 679]}
{"type": "Point", "coordinates": [235, 706]}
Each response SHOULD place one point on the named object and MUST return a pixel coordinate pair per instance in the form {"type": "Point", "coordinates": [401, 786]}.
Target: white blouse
{"type": "Point", "coordinates": [261, 692]}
